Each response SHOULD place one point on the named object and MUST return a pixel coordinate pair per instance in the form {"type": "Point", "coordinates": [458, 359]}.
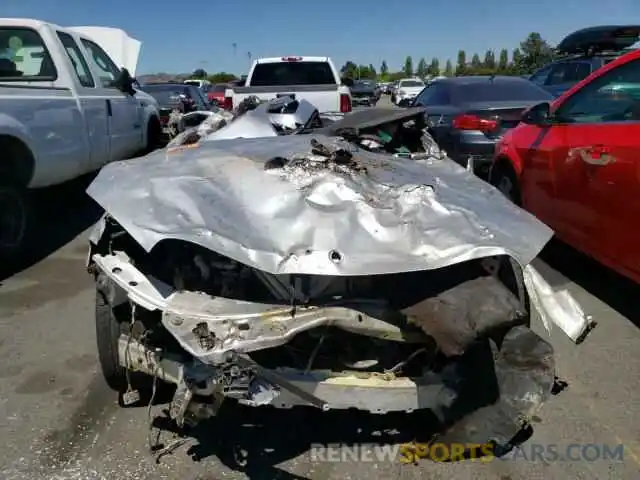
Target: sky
{"type": "Point", "coordinates": [180, 36]}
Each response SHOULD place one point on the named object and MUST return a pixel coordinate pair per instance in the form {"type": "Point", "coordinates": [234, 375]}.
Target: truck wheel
{"type": "Point", "coordinates": [17, 219]}
{"type": "Point", "coordinates": [154, 135]}
{"type": "Point", "coordinates": [111, 323]}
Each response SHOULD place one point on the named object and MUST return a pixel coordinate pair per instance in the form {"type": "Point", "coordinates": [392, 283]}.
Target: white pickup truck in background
{"type": "Point", "coordinates": [314, 79]}
{"type": "Point", "coordinates": [66, 109]}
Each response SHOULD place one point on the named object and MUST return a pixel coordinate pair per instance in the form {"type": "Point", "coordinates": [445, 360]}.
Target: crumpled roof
{"type": "Point", "coordinates": [371, 214]}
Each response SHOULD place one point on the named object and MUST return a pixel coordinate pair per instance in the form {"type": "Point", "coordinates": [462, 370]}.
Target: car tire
{"type": "Point", "coordinates": [111, 323]}
{"type": "Point", "coordinates": [17, 220]}
{"type": "Point", "coordinates": [154, 135]}
{"type": "Point", "coordinates": [504, 178]}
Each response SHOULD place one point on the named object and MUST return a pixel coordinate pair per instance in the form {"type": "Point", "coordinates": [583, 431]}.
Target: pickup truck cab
{"type": "Point", "coordinates": [314, 79]}
{"type": "Point", "coordinates": [66, 109]}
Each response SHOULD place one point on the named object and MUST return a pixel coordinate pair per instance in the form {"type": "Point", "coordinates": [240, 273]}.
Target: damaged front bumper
{"type": "Point", "coordinates": [400, 284]}
{"type": "Point", "coordinates": [462, 367]}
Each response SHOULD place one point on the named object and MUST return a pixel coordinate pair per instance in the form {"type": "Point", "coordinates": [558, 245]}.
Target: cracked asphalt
{"type": "Point", "coordinates": [58, 421]}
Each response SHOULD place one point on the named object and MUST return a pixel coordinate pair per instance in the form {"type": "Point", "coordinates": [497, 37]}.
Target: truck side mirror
{"type": "Point", "coordinates": [125, 82]}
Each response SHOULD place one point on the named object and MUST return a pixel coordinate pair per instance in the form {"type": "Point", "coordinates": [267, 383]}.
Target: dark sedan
{"type": "Point", "coordinates": [364, 92]}
{"type": "Point", "coordinates": [176, 96]}
{"type": "Point", "coordinates": [468, 115]}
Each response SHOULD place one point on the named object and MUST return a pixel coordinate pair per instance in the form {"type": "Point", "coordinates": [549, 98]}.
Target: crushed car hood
{"type": "Point", "coordinates": [377, 215]}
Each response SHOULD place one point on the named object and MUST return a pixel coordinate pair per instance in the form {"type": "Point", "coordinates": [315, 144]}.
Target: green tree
{"type": "Point", "coordinates": [349, 70]}
{"type": "Point", "coordinates": [365, 71]}
{"type": "Point", "coordinates": [393, 76]}
{"type": "Point", "coordinates": [448, 69]}
{"type": "Point", "coordinates": [503, 62]}
{"type": "Point", "coordinates": [384, 68]}
{"type": "Point", "coordinates": [461, 67]}
{"type": "Point", "coordinates": [476, 64]}
{"type": "Point", "coordinates": [489, 62]}
{"type": "Point", "coordinates": [373, 71]}
{"type": "Point", "coordinates": [422, 69]}
{"type": "Point", "coordinates": [221, 77]}
{"type": "Point", "coordinates": [408, 66]}
{"type": "Point", "coordinates": [536, 53]}
{"type": "Point", "coordinates": [434, 67]}
{"type": "Point", "coordinates": [516, 62]}
{"type": "Point", "coordinates": [199, 73]}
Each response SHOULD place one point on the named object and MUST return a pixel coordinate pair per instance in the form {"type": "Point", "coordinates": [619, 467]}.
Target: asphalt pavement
{"type": "Point", "coordinates": [58, 420]}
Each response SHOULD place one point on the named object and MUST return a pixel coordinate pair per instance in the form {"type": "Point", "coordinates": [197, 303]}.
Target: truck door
{"type": "Point", "coordinates": [124, 111]}
{"type": "Point", "coordinates": [92, 107]}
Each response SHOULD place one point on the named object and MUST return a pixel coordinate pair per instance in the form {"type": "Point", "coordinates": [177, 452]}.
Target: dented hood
{"type": "Point", "coordinates": [123, 49]}
{"type": "Point", "coordinates": [387, 215]}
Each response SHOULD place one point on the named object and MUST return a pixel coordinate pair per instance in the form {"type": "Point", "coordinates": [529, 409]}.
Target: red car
{"type": "Point", "coordinates": [216, 92]}
{"type": "Point", "coordinates": [575, 164]}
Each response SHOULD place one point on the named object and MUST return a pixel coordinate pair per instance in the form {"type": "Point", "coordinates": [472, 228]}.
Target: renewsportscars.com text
{"type": "Point", "coordinates": [440, 452]}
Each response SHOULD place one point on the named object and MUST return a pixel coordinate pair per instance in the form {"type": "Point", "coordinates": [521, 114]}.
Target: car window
{"type": "Point", "coordinates": [292, 73]}
{"type": "Point", "coordinates": [108, 70]}
{"type": "Point", "coordinates": [196, 94]}
{"type": "Point", "coordinates": [515, 89]}
{"type": "Point", "coordinates": [434, 94]}
{"type": "Point", "coordinates": [569, 72]}
{"type": "Point", "coordinates": [540, 76]}
{"type": "Point", "coordinates": [80, 66]}
{"type": "Point", "coordinates": [24, 57]}
{"type": "Point", "coordinates": [577, 71]}
{"type": "Point", "coordinates": [613, 97]}
{"type": "Point", "coordinates": [556, 76]}
{"type": "Point", "coordinates": [166, 95]}
{"type": "Point", "coordinates": [411, 83]}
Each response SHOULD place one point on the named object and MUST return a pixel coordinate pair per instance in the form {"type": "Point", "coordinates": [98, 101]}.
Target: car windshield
{"type": "Point", "coordinates": [497, 91]}
{"type": "Point", "coordinates": [411, 83]}
{"type": "Point", "coordinates": [292, 73]}
{"type": "Point", "coordinates": [219, 88]}
{"type": "Point", "coordinates": [166, 95]}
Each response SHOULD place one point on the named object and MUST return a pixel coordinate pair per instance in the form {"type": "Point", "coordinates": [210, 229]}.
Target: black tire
{"type": "Point", "coordinates": [17, 220]}
{"type": "Point", "coordinates": [504, 178]}
{"type": "Point", "coordinates": [154, 135]}
{"type": "Point", "coordinates": [111, 323]}
{"type": "Point", "coordinates": [108, 331]}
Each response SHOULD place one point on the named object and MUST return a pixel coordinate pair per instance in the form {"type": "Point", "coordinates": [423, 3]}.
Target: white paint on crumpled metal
{"type": "Point", "coordinates": [403, 215]}
{"type": "Point", "coordinates": [556, 306]}
{"type": "Point", "coordinates": [400, 216]}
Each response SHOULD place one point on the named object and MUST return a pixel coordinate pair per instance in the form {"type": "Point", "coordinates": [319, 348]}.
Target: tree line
{"type": "Point", "coordinates": [533, 52]}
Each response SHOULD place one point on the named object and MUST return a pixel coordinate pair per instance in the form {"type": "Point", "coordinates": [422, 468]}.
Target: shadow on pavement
{"type": "Point", "coordinates": [64, 211]}
{"type": "Point", "coordinates": [618, 292]}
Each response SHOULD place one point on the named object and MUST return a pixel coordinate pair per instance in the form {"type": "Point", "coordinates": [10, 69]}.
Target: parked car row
{"type": "Point", "coordinates": [562, 146]}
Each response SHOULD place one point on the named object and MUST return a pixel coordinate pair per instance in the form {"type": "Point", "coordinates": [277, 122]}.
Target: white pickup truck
{"type": "Point", "coordinates": [314, 79]}
{"type": "Point", "coordinates": [66, 109]}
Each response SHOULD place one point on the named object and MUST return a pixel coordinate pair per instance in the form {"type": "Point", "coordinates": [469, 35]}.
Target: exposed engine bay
{"type": "Point", "coordinates": [352, 267]}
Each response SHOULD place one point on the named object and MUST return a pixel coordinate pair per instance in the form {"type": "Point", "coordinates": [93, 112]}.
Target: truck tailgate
{"type": "Point", "coordinates": [324, 97]}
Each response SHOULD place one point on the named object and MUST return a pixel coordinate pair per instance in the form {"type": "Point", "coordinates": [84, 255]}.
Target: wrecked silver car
{"type": "Point", "coordinates": [338, 269]}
